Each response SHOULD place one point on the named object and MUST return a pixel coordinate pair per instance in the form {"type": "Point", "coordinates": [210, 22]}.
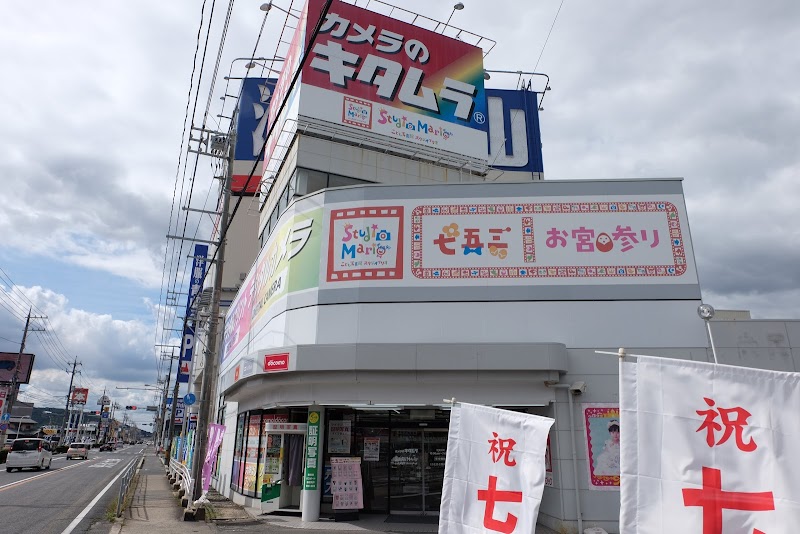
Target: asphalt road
{"type": "Point", "coordinates": [48, 502]}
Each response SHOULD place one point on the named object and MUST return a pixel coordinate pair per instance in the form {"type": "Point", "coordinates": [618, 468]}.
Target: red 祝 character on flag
{"type": "Point", "coordinates": [501, 448]}
{"type": "Point", "coordinates": [733, 419]}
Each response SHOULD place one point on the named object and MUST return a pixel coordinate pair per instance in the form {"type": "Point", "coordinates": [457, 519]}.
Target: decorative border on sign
{"type": "Point", "coordinates": [350, 275]}
{"type": "Point", "coordinates": [677, 268]}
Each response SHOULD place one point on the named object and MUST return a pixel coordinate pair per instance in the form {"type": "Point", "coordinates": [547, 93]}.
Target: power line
{"type": "Point", "coordinates": [548, 35]}
{"type": "Point", "coordinates": [180, 153]}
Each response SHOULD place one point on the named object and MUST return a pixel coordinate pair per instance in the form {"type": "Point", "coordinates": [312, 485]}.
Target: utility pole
{"type": "Point", "coordinates": [174, 407]}
{"type": "Point", "coordinates": [114, 407]}
{"type": "Point", "coordinates": [207, 388]}
{"type": "Point", "coordinates": [100, 432]}
{"type": "Point", "coordinates": [163, 421]}
{"type": "Point", "coordinates": [15, 378]}
{"type": "Point", "coordinates": [69, 398]}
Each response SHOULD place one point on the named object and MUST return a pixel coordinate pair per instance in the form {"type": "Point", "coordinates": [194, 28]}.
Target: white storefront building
{"type": "Point", "coordinates": [393, 275]}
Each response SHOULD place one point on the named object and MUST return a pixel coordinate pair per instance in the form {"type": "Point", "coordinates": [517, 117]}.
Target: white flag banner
{"type": "Point", "coordinates": [708, 448]}
{"type": "Point", "coordinates": [494, 470]}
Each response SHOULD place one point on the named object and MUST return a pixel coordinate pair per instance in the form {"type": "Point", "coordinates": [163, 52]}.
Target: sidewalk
{"type": "Point", "coordinates": [154, 509]}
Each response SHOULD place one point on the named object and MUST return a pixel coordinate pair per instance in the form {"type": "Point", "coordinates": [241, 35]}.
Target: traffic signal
{"type": "Point", "coordinates": [130, 407]}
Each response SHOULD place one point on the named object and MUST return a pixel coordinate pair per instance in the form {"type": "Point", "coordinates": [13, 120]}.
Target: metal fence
{"type": "Point", "coordinates": [125, 483]}
{"type": "Point", "coordinates": [182, 473]}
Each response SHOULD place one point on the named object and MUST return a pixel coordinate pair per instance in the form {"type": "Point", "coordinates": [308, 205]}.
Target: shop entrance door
{"type": "Point", "coordinates": [417, 471]}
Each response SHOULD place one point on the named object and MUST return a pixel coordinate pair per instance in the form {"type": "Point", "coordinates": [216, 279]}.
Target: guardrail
{"type": "Point", "coordinates": [125, 483]}
{"type": "Point", "coordinates": [182, 476]}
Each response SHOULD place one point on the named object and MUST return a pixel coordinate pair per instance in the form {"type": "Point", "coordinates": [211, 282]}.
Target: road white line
{"type": "Point", "coordinates": [34, 477]}
{"type": "Point", "coordinates": [77, 520]}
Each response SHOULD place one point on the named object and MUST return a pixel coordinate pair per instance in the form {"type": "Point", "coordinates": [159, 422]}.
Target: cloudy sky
{"type": "Point", "coordinates": [94, 99]}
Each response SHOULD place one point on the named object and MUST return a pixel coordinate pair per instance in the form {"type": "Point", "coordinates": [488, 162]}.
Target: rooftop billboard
{"type": "Point", "coordinates": [252, 118]}
{"type": "Point", "coordinates": [515, 142]}
{"type": "Point", "coordinates": [382, 82]}
{"type": "Point", "coordinates": [8, 367]}
{"type": "Point", "coordinates": [374, 74]}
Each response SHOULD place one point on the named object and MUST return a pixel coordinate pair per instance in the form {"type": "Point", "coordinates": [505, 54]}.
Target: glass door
{"type": "Point", "coordinates": [435, 450]}
{"type": "Point", "coordinates": [417, 470]}
{"type": "Point", "coordinates": [406, 484]}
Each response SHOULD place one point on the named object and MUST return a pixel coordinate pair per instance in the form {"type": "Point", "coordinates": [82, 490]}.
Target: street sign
{"type": "Point", "coordinates": [179, 409]}
{"type": "Point", "coordinates": [3, 426]}
{"type": "Point", "coordinates": [189, 399]}
{"type": "Point", "coordinates": [6, 416]}
{"type": "Point", "coordinates": [152, 408]}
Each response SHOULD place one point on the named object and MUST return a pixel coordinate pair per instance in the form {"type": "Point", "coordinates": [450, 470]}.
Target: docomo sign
{"type": "Point", "coordinates": [276, 362]}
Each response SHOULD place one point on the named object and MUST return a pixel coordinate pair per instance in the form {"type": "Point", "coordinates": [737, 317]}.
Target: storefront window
{"type": "Point", "coordinates": [251, 455]}
{"type": "Point", "coordinates": [238, 453]}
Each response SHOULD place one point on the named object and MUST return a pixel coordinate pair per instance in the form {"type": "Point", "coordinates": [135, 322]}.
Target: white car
{"type": "Point", "coordinates": [78, 450]}
{"type": "Point", "coordinates": [29, 452]}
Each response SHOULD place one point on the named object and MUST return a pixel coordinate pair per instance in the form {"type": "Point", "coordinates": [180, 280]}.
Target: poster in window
{"type": "Point", "coordinates": [372, 449]}
{"type": "Point", "coordinates": [548, 465]}
{"type": "Point", "coordinates": [339, 437]}
{"type": "Point", "coordinates": [251, 454]}
{"type": "Point", "coordinates": [346, 483]}
{"type": "Point", "coordinates": [601, 425]}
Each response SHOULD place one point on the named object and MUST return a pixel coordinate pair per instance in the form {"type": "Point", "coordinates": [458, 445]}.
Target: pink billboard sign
{"type": "Point", "coordinates": [282, 96]}
{"type": "Point", "coordinates": [13, 363]}
{"type": "Point", "coordinates": [375, 74]}
{"type": "Point", "coordinates": [237, 321]}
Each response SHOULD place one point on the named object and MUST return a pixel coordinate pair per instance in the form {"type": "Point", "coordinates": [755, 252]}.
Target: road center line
{"type": "Point", "coordinates": [34, 477]}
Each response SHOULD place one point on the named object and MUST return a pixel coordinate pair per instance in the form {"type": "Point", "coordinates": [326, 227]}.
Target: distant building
{"type": "Point", "coordinates": [21, 422]}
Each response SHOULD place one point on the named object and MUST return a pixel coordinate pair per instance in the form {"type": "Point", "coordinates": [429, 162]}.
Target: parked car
{"type": "Point", "coordinates": [78, 450]}
{"type": "Point", "coordinates": [29, 452]}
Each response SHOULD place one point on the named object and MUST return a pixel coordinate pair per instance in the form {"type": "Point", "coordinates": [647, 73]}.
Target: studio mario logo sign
{"type": "Point", "coordinates": [395, 79]}
{"type": "Point", "coordinates": [276, 362]}
{"type": "Point", "coordinates": [365, 244]}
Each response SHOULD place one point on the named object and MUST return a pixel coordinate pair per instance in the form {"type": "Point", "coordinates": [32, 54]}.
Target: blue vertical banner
{"type": "Point", "coordinates": [195, 286]}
